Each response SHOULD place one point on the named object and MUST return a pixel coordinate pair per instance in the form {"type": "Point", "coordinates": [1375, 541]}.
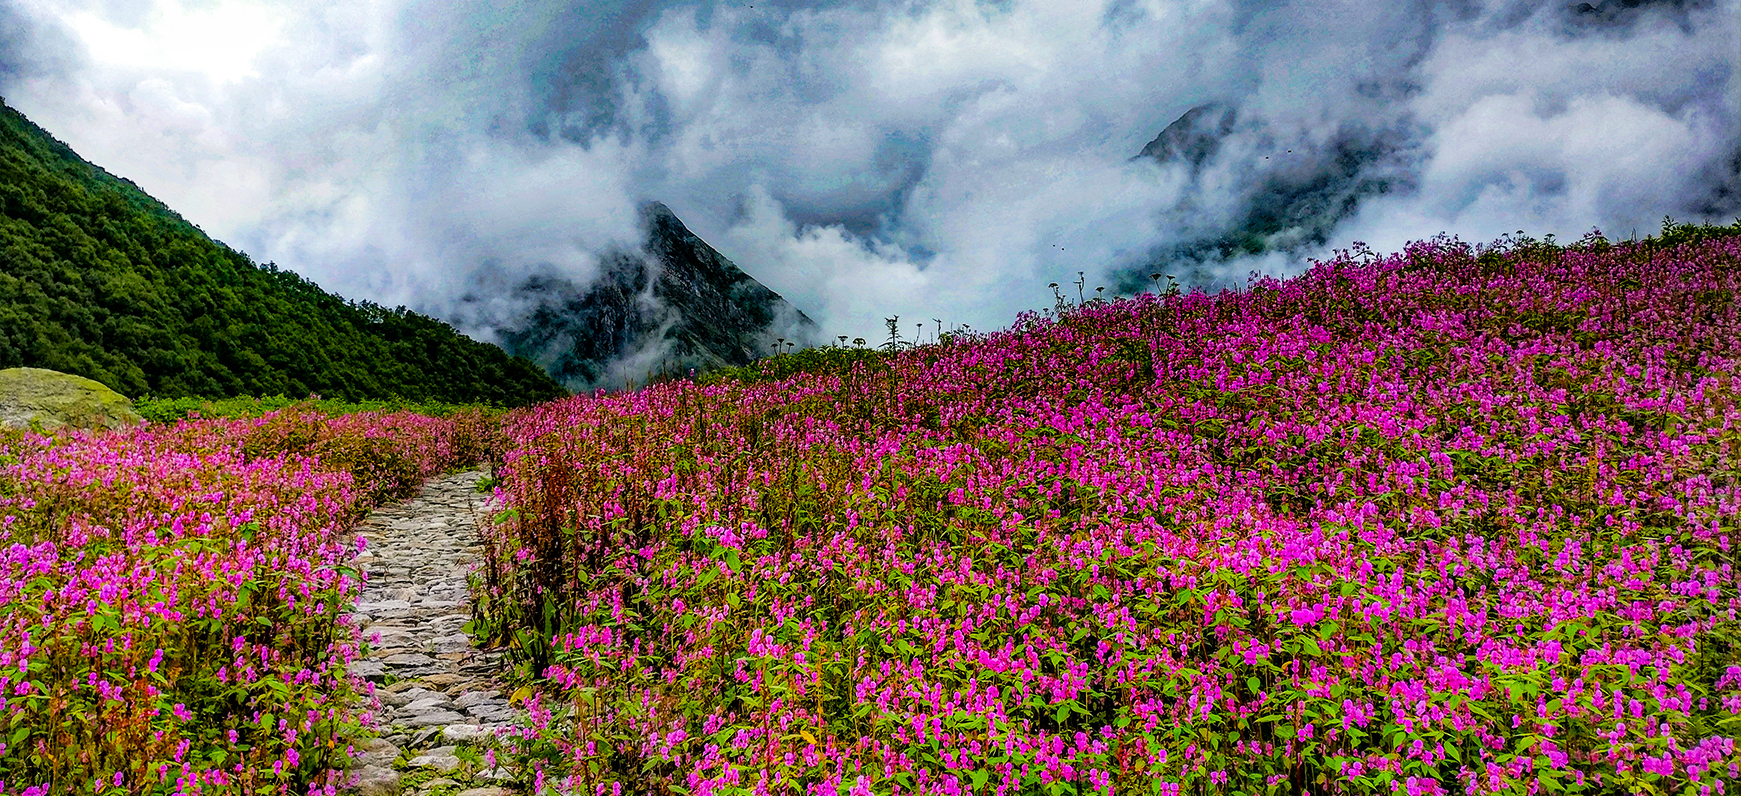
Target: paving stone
{"type": "Point", "coordinates": [441, 759]}
{"type": "Point", "coordinates": [463, 733]}
{"type": "Point", "coordinates": [412, 608]}
{"type": "Point", "coordinates": [409, 659]}
{"type": "Point", "coordinates": [374, 781]}
{"type": "Point", "coordinates": [436, 718]}
{"type": "Point", "coordinates": [422, 737]}
{"type": "Point", "coordinates": [428, 704]}
{"type": "Point", "coordinates": [471, 698]}
{"type": "Point", "coordinates": [376, 752]}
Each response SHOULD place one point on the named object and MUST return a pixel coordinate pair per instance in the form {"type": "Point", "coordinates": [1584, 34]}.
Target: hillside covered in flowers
{"type": "Point", "coordinates": [1452, 520]}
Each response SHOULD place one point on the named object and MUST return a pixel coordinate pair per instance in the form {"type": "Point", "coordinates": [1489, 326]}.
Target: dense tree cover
{"type": "Point", "coordinates": [101, 280]}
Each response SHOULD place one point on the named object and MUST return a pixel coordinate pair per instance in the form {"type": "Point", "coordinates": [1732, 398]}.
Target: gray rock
{"type": "Point", "coordinates": [497, 774]}
{"type": "Point", "coordinates": [463, 733]}
{"type": "Point", "coordinates": [438, 782]}
{"type": "Point", "coordinates": [421, 738]}
{"type": "Point", "coordinates": [486, 791]}
{"type": "Point", "coordinates": [48, 399]}
{"type": "Point", "coordinates": [433, 718]}
{"type": "Point", "coordinates": [454, 643]}
{"type": "Point", "coordinates": [410, 659]}
{"type": "Point", "coordinates": [374, 781]}
{"type": "Point", "coordinates": [471, 698]}
{"type": "Point", "coordinates": [375, 752]}
{"type": "Point", "coordinates": [427, 704]}
{"type": "Point", "coordinates": [496, 713]}
{"type": "Point", "coordinates": [441, 759]}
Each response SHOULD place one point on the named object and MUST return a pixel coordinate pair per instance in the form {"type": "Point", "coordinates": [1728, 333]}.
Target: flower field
{"type": "Point", "coordinates": [1452, 520]}
{"type": "Point", "coordinates": [173, 599]}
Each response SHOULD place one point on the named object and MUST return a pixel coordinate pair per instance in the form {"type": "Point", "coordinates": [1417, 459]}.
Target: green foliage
{"type": "Point", "coordinates": [100, 280]}
{"type": "Point", "coordinates": [170, 410]}
{"type": "Point", "coordinates": [1671, 237]}
{"type": "Point", "coordinates": [825, 361]}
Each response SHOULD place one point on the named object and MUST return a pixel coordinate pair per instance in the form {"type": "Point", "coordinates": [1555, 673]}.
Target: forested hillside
{"type": "Point", "coordinates": [101, 280]}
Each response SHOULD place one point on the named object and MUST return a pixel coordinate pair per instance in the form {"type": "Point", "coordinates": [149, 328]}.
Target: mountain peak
{"type": "Point", "coordinates": [1194, 137]}
{"type": "Point", "coordinates": [675, 305]}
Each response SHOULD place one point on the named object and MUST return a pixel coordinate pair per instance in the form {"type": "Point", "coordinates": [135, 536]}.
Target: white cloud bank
{"type": "Point", "coordinates": [865, 159]}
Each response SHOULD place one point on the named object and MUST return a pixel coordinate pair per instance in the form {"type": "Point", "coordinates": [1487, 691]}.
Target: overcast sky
{"type": "Point", "coordinates": [935, 160]}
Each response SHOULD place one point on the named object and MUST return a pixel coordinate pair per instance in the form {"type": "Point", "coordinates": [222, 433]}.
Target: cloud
{"type": "Point", "coordinates": [867, 159]}
{"type": "Point", "coordinates": [32, 46]}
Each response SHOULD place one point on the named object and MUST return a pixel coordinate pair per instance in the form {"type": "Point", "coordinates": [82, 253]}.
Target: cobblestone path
{"type": "Point", "coordinates": [438, 697]}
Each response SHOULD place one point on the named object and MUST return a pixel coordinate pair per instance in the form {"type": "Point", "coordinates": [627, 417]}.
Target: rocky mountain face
{"type": "Point", "coordinates": [1194, 137]}
{"type": "Point", "coordinates": [676, 306]}
{"type": "Point", "coordinates": [1294, 198]}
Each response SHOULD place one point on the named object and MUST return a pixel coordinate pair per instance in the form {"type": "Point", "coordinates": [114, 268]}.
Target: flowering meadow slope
{"type": "Point", "coordinates": [1453, 520]}
{"type": "Point", "coordinates": [173, 598]}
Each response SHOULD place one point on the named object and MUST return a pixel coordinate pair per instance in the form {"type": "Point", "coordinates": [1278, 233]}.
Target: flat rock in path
{"type": "Point", "coordinates": [374, 781]}
{"type": "Point", "coordinates": [436, 718]}
{"type": "Point", "coordinates": [429, 704]}
{"type": "Point", "coordinates": [463, 733]}
{"type": "Point", "coordinates": [376, 752]}
{"type": "Point", "coordinates": [441, 758]}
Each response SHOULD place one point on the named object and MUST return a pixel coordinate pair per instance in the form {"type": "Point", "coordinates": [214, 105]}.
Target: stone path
{"type": "Point", "coordinates": [438, 698]}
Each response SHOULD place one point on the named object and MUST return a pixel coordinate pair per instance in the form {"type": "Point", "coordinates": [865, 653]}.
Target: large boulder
{"type": "Point", "coordinates": [45, 400]}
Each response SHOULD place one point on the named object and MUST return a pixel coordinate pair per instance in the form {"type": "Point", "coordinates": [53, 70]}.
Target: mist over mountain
{"type": "Point", "coordinates": [865, 159]}
{"type": "Point", "coordinates": [1293, 207]}
{"type": "Point", "coordinates": [674, 306]}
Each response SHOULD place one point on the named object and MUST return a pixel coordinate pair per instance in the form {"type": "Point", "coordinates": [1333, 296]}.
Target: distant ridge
{"type": "Point", "coordinates": [1287, 209]}
{"type": "Point", "coordinates": [99, 279]}
{"type": "Point", "coordinates": [677, 306]}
